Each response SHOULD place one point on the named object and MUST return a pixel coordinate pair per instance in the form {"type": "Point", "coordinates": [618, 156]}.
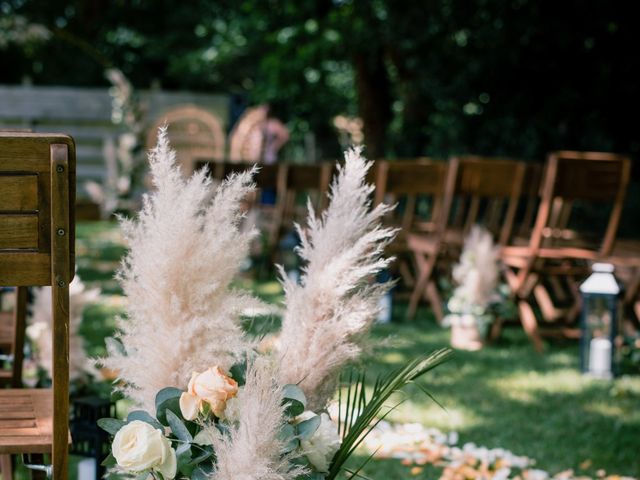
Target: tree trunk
{"type": "Point", "coordinates": [374, 100]}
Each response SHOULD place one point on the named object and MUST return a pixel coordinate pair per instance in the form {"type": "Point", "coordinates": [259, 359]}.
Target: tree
{"type": "Point", "coordinates": [509, 77]}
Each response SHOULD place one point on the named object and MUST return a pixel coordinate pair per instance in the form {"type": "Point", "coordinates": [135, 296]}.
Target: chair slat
{"type": "Point", "coordinates": [19, 232]}
{"type": "Point", "coordinates": [19, 193]}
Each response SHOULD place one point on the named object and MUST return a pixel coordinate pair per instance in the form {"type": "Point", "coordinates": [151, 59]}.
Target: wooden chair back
{"type": "Point", "coordinates": [266, 177]}
{"type": "Point", "coordinates": [529, 200]}
{"type": "Point", "coordinates": [296, 180]}
{"type": "Point", "coordinates": [486, 191]}
{"type": "Point", "coordinates": [580, 177]}
{"type": "Point", "coordinates": [419, 184]}
{"type": "Point", "coordinates": [37, 236]}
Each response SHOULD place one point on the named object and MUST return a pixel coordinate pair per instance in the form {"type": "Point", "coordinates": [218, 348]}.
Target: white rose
{"type": "Point", "coordinates": [323, 444]}
{"type": "Point", "coordinates": [210, 387]}
{"type": "Point", "coordinates": [138, 447]}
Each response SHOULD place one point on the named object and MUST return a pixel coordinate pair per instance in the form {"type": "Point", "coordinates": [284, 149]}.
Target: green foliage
{"type": "Point", "coordinates": [167, 399]}
{"type": "Point", "coordinates": [294, 399]}
{"type": "Point", "coordinates": [446, 76]}
{"type": "Point", "coordinates": [359, 413]}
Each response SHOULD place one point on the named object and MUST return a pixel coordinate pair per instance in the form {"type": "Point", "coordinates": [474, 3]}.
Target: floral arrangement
{"type": "Point", "coordinates": [214, 402]}
{"type": "Point", "coordinates": [476, 276]}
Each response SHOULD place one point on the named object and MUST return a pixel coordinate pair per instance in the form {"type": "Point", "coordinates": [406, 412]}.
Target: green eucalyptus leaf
{"type": "Point", "coordinates": [287, 435]}
{"type": "Point", "coordinates": [110, 461]}
{"type": "Point", "coordinates": [183, 455]}
{"type": "Point", "coordinates": [294, 399]}
{"type": "Point", "coordinates": [202, 457]}
{"type": "Point", "coordinates": [144, 417]}
{"type": "Point", "coordinates": [315, 476]}
{"type": "Point", "coordinates": [178, 428]}
{"type": "Point", "coordinates": [239, 373]}
{"type": "Point", "coordinates": [167, 394]}
{"type": "Point", "coordinates": [203, 438]}
{"type": "Point", "coordinates": [169, 405]}
{"type": "Point", "coordinates": [111, 425]}
{"type": "Point", "coordinates": [200, 473]}
{"type": "Point", "coordinates": [307, 428]}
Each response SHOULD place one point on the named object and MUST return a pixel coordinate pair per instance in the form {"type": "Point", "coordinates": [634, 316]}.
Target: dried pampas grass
{"type": "Point", "coordinates": [184, 249]}
{"type": "Point", "coordinates": [336, 302]}
{"type": "Point", "coordinates": [252, 450]}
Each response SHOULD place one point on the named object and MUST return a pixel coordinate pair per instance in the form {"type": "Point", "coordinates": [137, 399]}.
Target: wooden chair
{"type": "Point", "coordinates": [269, 178]}
{"type": "Point", "coordinates": [557, 249]}
{"type": "Point", "coordinates": [37, 197]}
{"type": "Point", "coordinates": [478, 190]}
{"type": "Point", "coordinates": [296, 184]}
{"type": "Point", "coordinates": [418, 186]}
{"type": "Point", "coordinates": [301, 180]}
{"type": "Point", "coordinates": [529, 201]}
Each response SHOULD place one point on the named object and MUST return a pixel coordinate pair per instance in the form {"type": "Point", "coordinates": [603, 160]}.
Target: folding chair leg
{"type": "Point", "coordinates": [417, 293]}
{"type": "Point", "coordinates": [424, 268]}
{"type": "Point", "coordinates": [530, 324]}
{"type": "Point", "coordinates": [6, 467]}
{"type": "Point", "coordinates": [435, 300]}
{"type": "Point", "coordinates": [405, 273]}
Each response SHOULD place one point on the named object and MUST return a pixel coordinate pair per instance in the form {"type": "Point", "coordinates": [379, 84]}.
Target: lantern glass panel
{"type": "Point", "coordinates": [598, 316]}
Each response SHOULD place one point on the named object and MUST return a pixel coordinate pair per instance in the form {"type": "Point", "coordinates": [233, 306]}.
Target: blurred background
{"type": "Point", "coordinates": [492, 77]}
{"type": "Point", "coordinates": [437, 78]}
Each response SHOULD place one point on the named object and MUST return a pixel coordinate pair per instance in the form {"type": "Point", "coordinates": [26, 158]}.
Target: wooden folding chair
{"type": "Point", "coordinates": [37, 197]}
{"type": "Point", "coordinates": [417, 186]}
{"type": "Point", "coordinates": [478, 190]}
{"type": "Point", "coordinates": [269, 182]}
{"type": "Point", "coordinates": [529, 201]}
{"type": "Point", "coordinates": [558, 250]}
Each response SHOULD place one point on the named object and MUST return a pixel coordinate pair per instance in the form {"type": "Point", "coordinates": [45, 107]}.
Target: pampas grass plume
{"type": "Point", "coordinates": [184, 249]}
{"type": "Point", "coordinates": [334, 305]}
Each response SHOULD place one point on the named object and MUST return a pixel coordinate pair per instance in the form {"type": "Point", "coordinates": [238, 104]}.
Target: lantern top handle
{"type": "Point", "coordinates": [602, 268]}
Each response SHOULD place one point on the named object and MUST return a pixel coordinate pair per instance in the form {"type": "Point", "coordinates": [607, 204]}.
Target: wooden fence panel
{"type": "Point", "coordinates": [85, 114]}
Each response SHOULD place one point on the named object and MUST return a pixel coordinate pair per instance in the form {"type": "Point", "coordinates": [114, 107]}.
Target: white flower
{"type": "Point", "coordinates": [36, 330]}
{"type": "Point", "coordinates": [138, 447]}
{"type": "Point", "coordinates": [323, 444]}
{"type": "Point", "coordinates": [210, 387]}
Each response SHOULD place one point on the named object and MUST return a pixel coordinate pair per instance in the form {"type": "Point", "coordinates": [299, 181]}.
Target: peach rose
{"type": "Point", "coordinates": [211, 387]}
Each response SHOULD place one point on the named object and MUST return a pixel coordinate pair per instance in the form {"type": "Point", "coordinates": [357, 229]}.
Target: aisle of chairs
{"type": "Point", "coordinates": [552, 223]}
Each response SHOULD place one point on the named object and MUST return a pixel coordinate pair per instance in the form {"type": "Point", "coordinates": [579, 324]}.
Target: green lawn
{"type": "Point", "coordinates": [503, 396]}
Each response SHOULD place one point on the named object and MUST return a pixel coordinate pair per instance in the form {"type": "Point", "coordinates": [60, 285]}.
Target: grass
{"type": "Point", "coordinates": [505, 395]}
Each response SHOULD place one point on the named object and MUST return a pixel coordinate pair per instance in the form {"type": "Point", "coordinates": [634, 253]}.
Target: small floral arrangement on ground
{"type": "Point", "coordinates": [213, 401]}
{"type": "Point", "coordinates": [476, 277]}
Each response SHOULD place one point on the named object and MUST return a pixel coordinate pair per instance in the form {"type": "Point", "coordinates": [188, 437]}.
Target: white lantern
{"type": "Point", "coordinates": [600, 295]}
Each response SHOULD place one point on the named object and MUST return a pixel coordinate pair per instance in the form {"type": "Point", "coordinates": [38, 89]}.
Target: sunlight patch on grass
{"type": "Point", "coordinates": [393, 357]}
{"type": "Point", "coordinates": [556, 381]}
{"type": "Point", "coordinates": [606, 410]}
{"type": "Point", "coordinates": [432, 415]}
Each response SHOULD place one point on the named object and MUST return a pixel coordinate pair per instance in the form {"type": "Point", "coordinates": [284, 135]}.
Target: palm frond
{"type": "Point", "coordinates": [358, 415]}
